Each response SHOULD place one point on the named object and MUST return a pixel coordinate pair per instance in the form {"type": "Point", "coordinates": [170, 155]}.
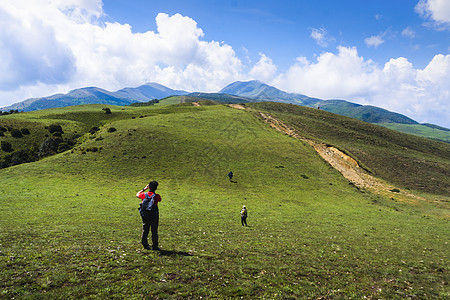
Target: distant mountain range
{"type": "Point", "coordinates": [263, 92]}
{"type": "Point", "coordinates": [94, 95]}
{"type": "Point", "coordinates": [237, 92]}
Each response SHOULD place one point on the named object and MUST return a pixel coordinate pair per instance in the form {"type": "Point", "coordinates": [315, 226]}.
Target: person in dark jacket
{"type": "Point", "coordinates": [230, 175]}
{"type": "Point", "coordinates": [244, 216]}
{"type": "Point", "coordinates": [149, 214]}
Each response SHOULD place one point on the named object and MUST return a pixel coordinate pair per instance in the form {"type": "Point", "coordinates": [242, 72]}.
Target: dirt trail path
{"type": "Point", "coordinates": [238, 106]}
{"type": "Point", "coordinates": [346, 165]}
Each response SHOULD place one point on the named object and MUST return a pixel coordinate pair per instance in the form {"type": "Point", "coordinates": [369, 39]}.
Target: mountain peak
{"type": "Point", "coordinates": [95, 95]}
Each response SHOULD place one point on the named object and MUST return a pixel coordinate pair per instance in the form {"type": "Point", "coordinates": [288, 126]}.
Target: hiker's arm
{"type": "Point", "coordinates": [141, 191]}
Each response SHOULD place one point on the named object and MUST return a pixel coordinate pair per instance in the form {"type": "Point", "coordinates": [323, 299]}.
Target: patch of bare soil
{"type": "Point", "coordinates": [196, 104]}
{"type": "Point", "coordinates": [238, 106]}
{"type": "Point", "coordinates": [346, 165]}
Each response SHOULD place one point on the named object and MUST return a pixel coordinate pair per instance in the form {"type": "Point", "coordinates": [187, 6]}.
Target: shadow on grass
{"type": "Point", "coordinates": [173, 253]}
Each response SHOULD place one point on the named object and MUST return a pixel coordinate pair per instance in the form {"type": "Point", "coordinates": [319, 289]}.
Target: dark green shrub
{"type": "Point", "coordinates": [55, 128]}
{"type": "Point", "coordinates": [3, 129]}
{"type": "Point", "coordinates": [57, 133]}
{"type": "Point", "coordinates": [25, 131]}
{"type": "Point", "coordinates": [20, 157]}
{"type": "Point", "coordinates": [49, 146]}
{"type": "Point", "coordinates": [6, 146]}
{"type": "Point", "coordinates": [112, 129]}
{"type": "Point", "coordinates": [2, 133]}
{"type": "Point", "coordinates": [16, 133]}
{"type": "Point", "coordinates": [63, 147]}
{"type": "Point", "coordinates": [94, 130]}
{"type": "Point", "coordinates": [107, 110]}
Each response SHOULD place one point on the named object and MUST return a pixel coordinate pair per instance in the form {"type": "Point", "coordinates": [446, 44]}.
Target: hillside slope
{"type": "Point", "coordinates": [69, 224]}
{"type": "Point", "coordinates": [411, 162]}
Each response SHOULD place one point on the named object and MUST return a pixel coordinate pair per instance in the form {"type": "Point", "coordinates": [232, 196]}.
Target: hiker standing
{"type": "Point", "coordinates": [230, 175]}
{"type": "Point", "coordinates": [244, 216]}
{"type": "Point", "coordinates": [149, 213]}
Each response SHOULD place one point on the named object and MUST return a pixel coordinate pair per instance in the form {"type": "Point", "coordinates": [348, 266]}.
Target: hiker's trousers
{"type": "Point", "coordinates": [150, 221]}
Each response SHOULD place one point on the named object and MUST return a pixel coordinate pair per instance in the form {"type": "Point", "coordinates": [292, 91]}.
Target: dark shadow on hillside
{"type": "Point", "coordinates": [173, 253]}
{"type": "Point", "coordinates": [233, 181]}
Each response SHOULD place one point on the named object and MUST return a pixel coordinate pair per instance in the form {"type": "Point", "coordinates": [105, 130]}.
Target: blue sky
{"type": "Point", "coordinates": [282, 29]}
{"type": "Point", "coordinates": [392, 54]}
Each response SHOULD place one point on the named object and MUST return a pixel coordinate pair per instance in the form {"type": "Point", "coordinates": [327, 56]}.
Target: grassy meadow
{"type": "Point", "coordinates": [421, 130]}
{"type": "Point", "coordinates": [70, 228]}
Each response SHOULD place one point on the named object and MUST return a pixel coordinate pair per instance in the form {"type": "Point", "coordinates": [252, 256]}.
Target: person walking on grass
{"type": "Point", "coordinates": [149, 214]}
{"type": "Point", "coordinates": [244, 216]}
{"type": "Point", "coordinates": [230, 175]}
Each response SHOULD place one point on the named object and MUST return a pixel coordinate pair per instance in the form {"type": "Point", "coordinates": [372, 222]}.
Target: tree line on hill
{"type": "Point", "coordinates": [10, 112]}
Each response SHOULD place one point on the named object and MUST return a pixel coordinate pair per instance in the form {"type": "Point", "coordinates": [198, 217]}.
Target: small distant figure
{"type": "Point", "coordinates": [230, 175]}
{"type": "Point", "coordinates": [244, 216]}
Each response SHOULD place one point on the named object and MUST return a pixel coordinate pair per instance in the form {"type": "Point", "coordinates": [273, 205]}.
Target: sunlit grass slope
{"type": "Point", "coordinates": [409, 161]}
{"type": "Point", "coordinates": [437, 133]}
{"type": "Point", "coordinates": [69, 225]}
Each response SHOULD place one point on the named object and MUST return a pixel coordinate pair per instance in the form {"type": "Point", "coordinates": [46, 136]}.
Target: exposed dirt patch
{"type": "Point", "coordinates": [196, 104]}
{"type": "Point", "coordinates": [238, 106]}
{"type": "Point", "coordinates": [346, 165]}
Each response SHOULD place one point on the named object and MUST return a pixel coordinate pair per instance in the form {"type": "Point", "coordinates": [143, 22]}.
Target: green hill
{"type": "Point", "coordinates": [410, 161]}
{"type": "Point", "coordinates": [259, 91]}
{"type": "Point", "coordinates": [237, 92]}
{"type": "Point", "coordinates": [425, 130]}
{"type": "Point", "coordinates": [69, 226]}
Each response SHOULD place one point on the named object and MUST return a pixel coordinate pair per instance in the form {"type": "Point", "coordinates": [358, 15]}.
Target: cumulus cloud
{"type": "Point", "coordinates": [30, 52]}
{"type": "Point", "coordinates": [56, 45]}
{"type": "Point", "coordinates": [436, 10]}
{"type": "Point", "coordinates": [64, 44]}
{"type": "Point", "coordinates": [332, 75]}
{"type": "Point", "coordinates": [264, 69]}
{"type": "Point", "coordinates": [422, 94]}
{"type": "Point", "coordinates": [374, 41]}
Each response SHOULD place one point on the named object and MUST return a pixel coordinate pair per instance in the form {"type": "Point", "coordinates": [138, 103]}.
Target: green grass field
{"type": "Point", "coordinates": [420, 130]}
{"type": "Point", "coordinates": [70, 228]}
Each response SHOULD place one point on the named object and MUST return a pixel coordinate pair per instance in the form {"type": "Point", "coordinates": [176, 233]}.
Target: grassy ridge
{"type": "Point", "coordinates": [409, 161]}
{"type": "Point", "coordinates": [70, 227]}
{"type": "Point", "coordinates": [429, 131]}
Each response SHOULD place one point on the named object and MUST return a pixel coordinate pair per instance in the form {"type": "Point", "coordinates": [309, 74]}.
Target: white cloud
{"type": "Point", "coordinates": [264, 69]}
{"type": "Point", "coordinates": [374, 41]}
{"type": "Point", "coordinates": [56, 45]}
{"type": "Point", "coordinates": [63, 44]}
{"type": "Point", "coordinates": [409, 33]}
{"type": "Point", "coordinates": [423, 95]}
{"type": "Point", "coordinates": [436, 10]}
{"type": "Point", "coordinates": [333, 75]}
{"type": "Point", "coordinates": [321, 37]}
{"type": "Point", "coordinates": [30, 52]}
